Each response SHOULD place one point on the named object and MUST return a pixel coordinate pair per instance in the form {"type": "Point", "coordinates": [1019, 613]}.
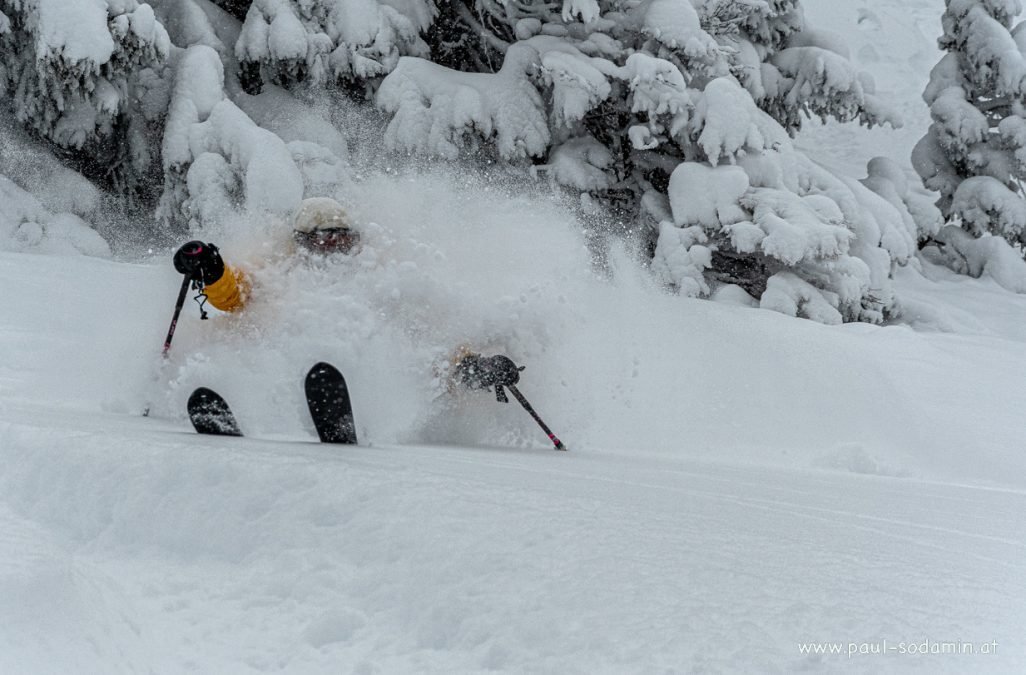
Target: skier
{"type": "Point", "coordinates": [322, 226]}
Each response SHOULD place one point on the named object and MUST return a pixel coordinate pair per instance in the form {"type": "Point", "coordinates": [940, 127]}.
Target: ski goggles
{"type": "Point", "coordinates": [328, 240]}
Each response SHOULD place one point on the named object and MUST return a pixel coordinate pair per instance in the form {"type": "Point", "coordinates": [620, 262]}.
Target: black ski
{"type": "Point", "coordinates": [210, 414]}
{"type": "Point", "coordinates": [328, 398]}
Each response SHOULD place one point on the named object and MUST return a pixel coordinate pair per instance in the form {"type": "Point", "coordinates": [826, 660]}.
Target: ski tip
{"type": "Point", "coordinates": [210, 414]}
{"type": "Point", "coordinates": [201, 393]}
{"type": "Point", "coordinates": [323, 367]}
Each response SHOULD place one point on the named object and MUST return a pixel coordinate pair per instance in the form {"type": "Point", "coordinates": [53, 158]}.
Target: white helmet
{"type": "Point", "coordinates": [321, 213]}
{"type": "Point", "coordinates": [323, 226]}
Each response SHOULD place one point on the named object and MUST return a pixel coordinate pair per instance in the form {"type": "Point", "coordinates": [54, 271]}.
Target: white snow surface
{"type": "Point", "coordinates": [739, 483]}
{"type": "Point", "coordinates": [26, 225]}
{"type": "Point", "coordinates": [774, 482]}
{"type": "Point", "coordinates": [77, 29]}
{"type": "Point", "coordinates": [769, 482]}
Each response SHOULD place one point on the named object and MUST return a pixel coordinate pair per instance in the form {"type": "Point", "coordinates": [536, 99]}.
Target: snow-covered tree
{"type": "Point", "coordinates": [791, 70]}
{"type": "Point", "coordinates": [677, 114]}
{"type": "Point", "coordinates": [974, 153]}
{"type": "Point", "coordinates": [145, 106]}
{"type": "Point", "coordinates": [76, 71]}
{"type": "Point", "coordinates": [216, 159]}
{"type": "Point", "coordinates": [328, 41]}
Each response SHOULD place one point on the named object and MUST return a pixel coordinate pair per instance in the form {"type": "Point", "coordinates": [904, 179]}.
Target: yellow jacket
{"type": "Point", "coordinates": [230, 292]}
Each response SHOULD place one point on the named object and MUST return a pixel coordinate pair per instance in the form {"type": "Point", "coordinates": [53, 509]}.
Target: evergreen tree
{"type": "Point", "coordinates": [76, 73]}
{"type": "Point", "coordinates": [217, 161]}
{"type": "Point", "coordinates": [328, 41]}
{"type": "Point", "coordinates": [677, 115]}
{"type": "Point", "coordinates": [974, 153]}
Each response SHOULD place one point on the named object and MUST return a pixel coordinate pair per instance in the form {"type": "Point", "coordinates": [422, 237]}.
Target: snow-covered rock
{"type": "Point", "coordinates": [26, 226]}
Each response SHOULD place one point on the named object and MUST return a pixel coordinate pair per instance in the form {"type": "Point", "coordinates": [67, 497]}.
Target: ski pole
{"type": "Point", "coordinates": [171, 331]}
{"type": "Point", "coordinates": [178, 310]}
{"type": "Point", "coordinates": [527, 406]}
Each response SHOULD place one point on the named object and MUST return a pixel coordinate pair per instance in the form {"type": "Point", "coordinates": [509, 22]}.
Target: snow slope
{"type": "Point", "coordinates": [185, 554]}
{"type": "Point", "coordinates": [739, 484]}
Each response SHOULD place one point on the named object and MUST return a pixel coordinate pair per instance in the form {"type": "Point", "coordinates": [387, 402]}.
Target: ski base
{"type": "Point", "coordinates": [327, 396]}
{"type": "Point", "coordinates": [210, 414]}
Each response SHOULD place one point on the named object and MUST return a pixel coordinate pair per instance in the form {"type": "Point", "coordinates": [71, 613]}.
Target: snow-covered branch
{"type": "Point", "coordinates": [216, 159]}
{"type": "Point", "coordinates": [326, 41]}
{"type": "Point", "coordinates": [67, 64]}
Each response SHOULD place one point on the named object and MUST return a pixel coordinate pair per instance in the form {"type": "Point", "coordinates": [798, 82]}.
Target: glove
{"type": "Point", "coordinates": [199, 261]}
{"type": "Point", "coordinates": [501, 370]}
{"type": "Point", "coordinates": [482, 372]}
